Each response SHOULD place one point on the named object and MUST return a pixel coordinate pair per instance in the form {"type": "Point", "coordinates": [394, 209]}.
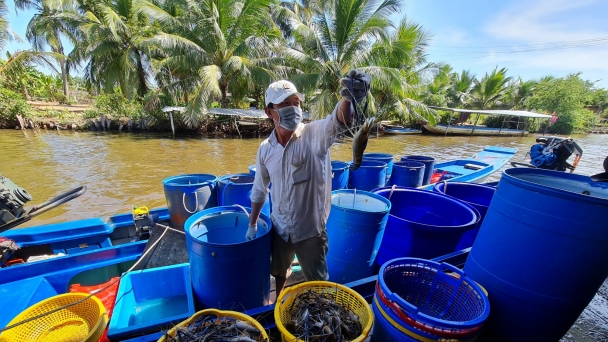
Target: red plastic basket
{"type": "Point", "coordinates": [107, 298]}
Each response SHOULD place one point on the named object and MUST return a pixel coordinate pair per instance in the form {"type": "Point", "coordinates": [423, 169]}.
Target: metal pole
{"type": "Point", "coordinates": [172, 127]}
{"type": "Point", "coordinates": [503, 124]}
{"type": "Point", "coordinates": [475, 124]}
{"type": "Point", "coordinates": [525, 126]}
{"type": "Point", "coordinates": [448, 126]}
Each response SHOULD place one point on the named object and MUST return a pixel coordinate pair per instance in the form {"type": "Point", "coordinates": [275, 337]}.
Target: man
{"type": "Point", "coordinates": [295, 159]}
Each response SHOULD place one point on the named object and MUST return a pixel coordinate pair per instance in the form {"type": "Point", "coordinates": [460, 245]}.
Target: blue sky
{"type": "Point", "coordinates": [479, 35]}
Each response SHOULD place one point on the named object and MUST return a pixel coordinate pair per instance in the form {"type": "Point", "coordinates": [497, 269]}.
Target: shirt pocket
{"type": "Point", "coordinates": [301, 172]}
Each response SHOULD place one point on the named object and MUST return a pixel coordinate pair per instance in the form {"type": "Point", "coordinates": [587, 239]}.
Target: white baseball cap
{"type": "Point", "coordinates": [278, 91]}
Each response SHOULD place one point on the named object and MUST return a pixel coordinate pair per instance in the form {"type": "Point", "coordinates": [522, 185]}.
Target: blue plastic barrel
{"type": "Point", "coordinates": [429, 163]}
{"type": "Point", "coordinates": [384, 157]}
{"type": "Point", "coordinates": [236, 189]}
{"type": "Point", "coordinates": [370, 175]}
{"type": "Point", "coordinates": [187, 194]}
{"type": "Point", "coordinates": [423, 224]}
{"type": "Point", "coordinates": [354, 231]}
{"type": "Point", "coordinates": [422, 300]}
{"type": "Point", "coordinates": [228, 272]}
{"type": "Point", "coordinates": [477, 195]}
{"type": "Point", "coordinates": [252, 169]}
{"type": "Point", "coordinates": [339, 175]}
{"type": "Point", "coordinates": [408, 174]}
{"type": "Point", "coordinates": [541, 252]}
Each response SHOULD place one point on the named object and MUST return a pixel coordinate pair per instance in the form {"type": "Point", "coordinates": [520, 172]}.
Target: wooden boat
{"type": "Point", "coordinates": [95, 250]}
{"type": "Point", "coordinates": [479, 130]}
{"type": "Point", "coordinates": [476, 168]}
{"type": "Point", "coordinates": [398, 130]}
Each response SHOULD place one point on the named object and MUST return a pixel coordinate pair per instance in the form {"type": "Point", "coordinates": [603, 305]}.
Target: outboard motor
{"type": "Point", "coordinates": [12, 200]}
{"type": "Point", "coordinates": [552, 153]}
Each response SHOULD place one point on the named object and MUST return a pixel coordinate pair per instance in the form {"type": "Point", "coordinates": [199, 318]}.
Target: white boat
{"type": "Point", "coordinates": [480, 130]}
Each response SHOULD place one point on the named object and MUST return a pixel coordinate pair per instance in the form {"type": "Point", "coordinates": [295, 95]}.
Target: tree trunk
{"type": "Point", "coordinates": [64, 79]}
{"type": "Point", "coordinates": [143, 88]}
{"type": "Point", "coordinates": [24, 91]}
{"type": "Point", "coordinates": [224, 90]}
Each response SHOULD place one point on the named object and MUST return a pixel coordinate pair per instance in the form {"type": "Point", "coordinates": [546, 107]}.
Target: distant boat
{"type": "Point", "coordinates": [386, 127]}
{"type": "Point", "coordinates": [401, 130]}
{"type": "Point", "coordinates": [480, 130]}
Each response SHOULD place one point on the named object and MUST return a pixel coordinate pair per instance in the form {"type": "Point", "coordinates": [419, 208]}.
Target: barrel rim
{"type": "Point", "coordinates": [402, 162]}
{"type": "Point", "coordinates": [546, 189]}
{"type": "Point", "coordinates": [192, 220]}
{"type": "Point", "coordinates": [346, 164]}
{"type": "Point", "coordinates": [167, 181]}
{"type": "Point", "coordinates": [458, 202]}
{"type": "Point", "coordinates": [367, 193]}
{"type": "Point", "coordinates": [378, 155]}
{"type": "Point", "coordinates": [419, 157]}
{"type": "Point", "coordinates": [476, 322]}
{"type": "Point", "coordinates": [222, 179]}
{"type": "Point", "coordinates": [378, 162]}
{"type": "Point", "coordinates": [475, 185]}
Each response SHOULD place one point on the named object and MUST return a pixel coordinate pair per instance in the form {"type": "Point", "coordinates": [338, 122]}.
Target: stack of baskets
{"type": "Point", "coordinates": [421, 300]}
{"type": "Point", "coordinates": [82, 322]}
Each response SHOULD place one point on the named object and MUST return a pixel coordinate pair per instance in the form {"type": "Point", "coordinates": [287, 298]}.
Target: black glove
{"type": "Point", "coordinates": [355, 85]}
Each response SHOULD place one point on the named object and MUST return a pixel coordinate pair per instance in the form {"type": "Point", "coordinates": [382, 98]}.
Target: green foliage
{"type": "Point", "coordinates": [116, 106]}
{"type": "Point", "coordinates": [11, 105]}
{"type": "Point", "coordinates": [567, 97]}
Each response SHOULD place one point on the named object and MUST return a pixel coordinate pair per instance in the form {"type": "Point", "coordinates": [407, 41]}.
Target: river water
{"type": "Point", "coordinates": [121, 169]}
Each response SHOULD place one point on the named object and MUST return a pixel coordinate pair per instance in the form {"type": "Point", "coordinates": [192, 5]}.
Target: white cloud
{"type": "Point", "coordinates": [546, 21]}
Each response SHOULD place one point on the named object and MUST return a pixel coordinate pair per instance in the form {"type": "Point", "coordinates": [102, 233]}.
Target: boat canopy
{"type": "Point", "coordinates": [248, 113]}
{"type": "Point", "coordinates": [521, 113]}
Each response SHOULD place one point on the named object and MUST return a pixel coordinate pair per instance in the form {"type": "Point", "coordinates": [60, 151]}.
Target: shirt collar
{"type": "Point", "coordinates": [295, 135]}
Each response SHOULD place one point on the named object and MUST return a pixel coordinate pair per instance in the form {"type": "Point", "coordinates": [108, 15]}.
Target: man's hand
{"type": "Point", "coordinates": [355, 85]}
{"type": "Point", "coordinates": [251, 232]}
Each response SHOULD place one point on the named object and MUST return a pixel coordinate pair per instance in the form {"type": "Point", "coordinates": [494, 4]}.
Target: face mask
{"type": "Point", "coordinates": [290, 117]}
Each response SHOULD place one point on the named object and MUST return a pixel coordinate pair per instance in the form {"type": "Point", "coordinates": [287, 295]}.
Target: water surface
{"type": "Point", "coordinates": [121, 169]}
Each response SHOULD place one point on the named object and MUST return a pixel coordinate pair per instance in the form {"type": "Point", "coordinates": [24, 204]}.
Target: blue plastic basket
{"type": "Point", "coordinates": [438, 296]}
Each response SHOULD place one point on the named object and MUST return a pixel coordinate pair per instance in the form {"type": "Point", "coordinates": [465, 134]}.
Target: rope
{"type": "Point", "coordinates": [167, 228]}
{"type": "Point", "coordinates": [245, 210]}
{"type": "Point", "coordinates": [184, 202]}
{"type": "Point", "coordinates": [391, 193]}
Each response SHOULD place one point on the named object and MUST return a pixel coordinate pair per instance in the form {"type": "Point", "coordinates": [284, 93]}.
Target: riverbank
{"type": "Point", "coordinates": [83, 117]}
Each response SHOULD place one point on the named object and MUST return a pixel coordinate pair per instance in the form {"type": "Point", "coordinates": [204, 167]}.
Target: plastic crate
{"type": "Point", "coordinates": [150, 300]}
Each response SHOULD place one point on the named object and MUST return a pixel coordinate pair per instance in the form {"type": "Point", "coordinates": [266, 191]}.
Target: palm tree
{"type": "Point", "coordinates": [405, 51]}
{"type": "Point", "coordinates": [330, 37]}
{"type": "Point", "coordinates": [437, 92]}
{"type": "Point", "coordinates": [489, 92]}
{"type": "Point", "coordinates": [46, 28]}
{"type": "Point", "coordinates": [113, 33]}
{"type": "Point", "coordinates": [460, 92]}
{"type": "Point", "coordinates": [211, 48]}
{"type": "Point", "coordinates": [519, 91]}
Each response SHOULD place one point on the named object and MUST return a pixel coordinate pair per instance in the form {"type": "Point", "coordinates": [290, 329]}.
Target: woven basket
{"type": "Point", "coordinates": [341, 294]}
{"type": "Point", "coordinates": [220, 314]}
{"type": "Point", "coordinates": [83, 322]}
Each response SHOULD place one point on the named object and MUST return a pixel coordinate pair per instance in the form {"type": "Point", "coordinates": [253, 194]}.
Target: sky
{"type": "Point", "coordinates": [531, 38]}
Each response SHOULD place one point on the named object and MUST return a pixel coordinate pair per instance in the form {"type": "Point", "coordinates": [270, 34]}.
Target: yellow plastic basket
{"type": "Point", "coordinates": [341, 294]}
{"type": "Point", "coordinates": [220, 314]}
{"type": "Point", "coordinates": [83, 322]}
